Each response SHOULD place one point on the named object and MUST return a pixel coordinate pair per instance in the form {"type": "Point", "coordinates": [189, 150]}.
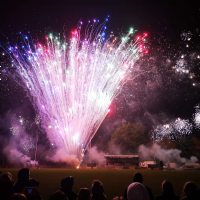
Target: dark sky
{"type": "Point", "coordinates": [149, 15]}
{"type": "Point", "coordinates": [163, 20]}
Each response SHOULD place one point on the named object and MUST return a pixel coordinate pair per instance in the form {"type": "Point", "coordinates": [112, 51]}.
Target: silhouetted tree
{"type": "Point", "coordinates": [129, 136]}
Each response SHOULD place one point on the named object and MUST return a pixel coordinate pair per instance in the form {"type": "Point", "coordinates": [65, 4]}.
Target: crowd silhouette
{"type": "Point", "coordinates": [27, 188]}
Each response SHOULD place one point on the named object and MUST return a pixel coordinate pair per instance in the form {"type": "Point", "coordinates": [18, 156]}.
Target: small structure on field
{"type": "Point", "coordinates": [123, 161]}
{"type": "Point", "coordinates": [191, 166]}
{"type": "Point", "coordinates": [91, 165]}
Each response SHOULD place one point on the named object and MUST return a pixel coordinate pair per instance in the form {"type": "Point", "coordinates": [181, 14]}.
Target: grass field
{"type": "Point", "coordinates": [114, 181]}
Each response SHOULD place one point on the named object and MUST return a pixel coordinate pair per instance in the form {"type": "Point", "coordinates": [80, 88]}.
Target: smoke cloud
{"type": "Point", "coordinates": [16, 157]}
{"type": "Point", "coordinates": [17, 145]}
{"type": "Point", "coordinates": [61, 156]}
{"type": "Point", "coordinates": [167, 156]}
{"type": "Point", "coordinates": [95, 155]}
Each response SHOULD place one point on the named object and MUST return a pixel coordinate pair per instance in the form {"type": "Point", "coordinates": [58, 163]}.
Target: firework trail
{"type": "Point", "coordinates": [73, 84]}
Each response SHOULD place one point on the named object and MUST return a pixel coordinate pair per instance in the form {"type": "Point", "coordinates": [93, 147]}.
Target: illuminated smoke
{"type": "Point", "coordinates": [186, 36]}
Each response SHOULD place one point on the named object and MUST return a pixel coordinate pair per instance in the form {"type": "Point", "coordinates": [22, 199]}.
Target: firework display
{"type": "Point", "coordinates": [73, 84]}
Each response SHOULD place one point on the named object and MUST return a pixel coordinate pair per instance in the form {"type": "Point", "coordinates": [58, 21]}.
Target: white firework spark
{"type": "Point", "coordinates": [181, 66]}
{"type": "Point", "coordinates": [186, 36]}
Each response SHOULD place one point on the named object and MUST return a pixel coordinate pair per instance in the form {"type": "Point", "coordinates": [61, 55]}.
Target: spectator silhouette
{"type": "Point", "coordinates": [6, 185]}
{"type": "Point", "coordinates": [18, 196]}
{"type": "Point", "coordinates": [118, 198]}
{"type": "Point", "coordinates": [97, 191]}
{"type": "Point", "coordinates": [137, 191]}
{"type": "Point", "coordinates": [58, 195]}
{"type": "Point", "coordinates": [23, 180]}
{"type": "Point", "coordinates": [190, 191]}
{"type": "Point", "coordinates": [137, 177]}
{"type": "Point", "coordinates": [66, 187]}
{"type": "Point", "coordinates": [167, 192]}
{"type": "Point", "coordinates": [84, 194]}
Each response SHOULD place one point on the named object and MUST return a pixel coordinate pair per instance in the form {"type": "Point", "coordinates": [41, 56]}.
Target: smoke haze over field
{"type": "Point", "coordinates": [61, 156]}
{"type": "Point", "coordinates": [145, 154]}
{"type": "Point", "coordinates": [15, 157]}
{"type": "Point", "coordinates": [167, 156]}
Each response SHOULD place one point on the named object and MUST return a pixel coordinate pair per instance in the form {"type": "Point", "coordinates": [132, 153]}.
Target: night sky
{"type": "Point", "coordinates": [157, 98]}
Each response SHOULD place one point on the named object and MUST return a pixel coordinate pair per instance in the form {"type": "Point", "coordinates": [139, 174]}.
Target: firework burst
{"type": "Point", "coordinates": [28, 145]}
{"type": "Point", "coordinates": [73, 84]}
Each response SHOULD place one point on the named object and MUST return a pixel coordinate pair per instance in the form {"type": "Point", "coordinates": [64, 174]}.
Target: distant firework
{"type": "Point", "coordinates": [28, 145]}
{"type": "Point", "coordinates": [19, 125]}
{"type": "Point", "coordinates": [186, 36]}
{"type": "Point", "coordinates": [173, 130]}
{"type": "Point", "coordinates": [196, 116]}
{"type": "Point", "coordinates": [73, 84]}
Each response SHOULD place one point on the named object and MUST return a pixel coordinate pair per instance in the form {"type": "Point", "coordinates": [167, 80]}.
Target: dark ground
{"type": "Point", "coordinates": [114, 181]}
